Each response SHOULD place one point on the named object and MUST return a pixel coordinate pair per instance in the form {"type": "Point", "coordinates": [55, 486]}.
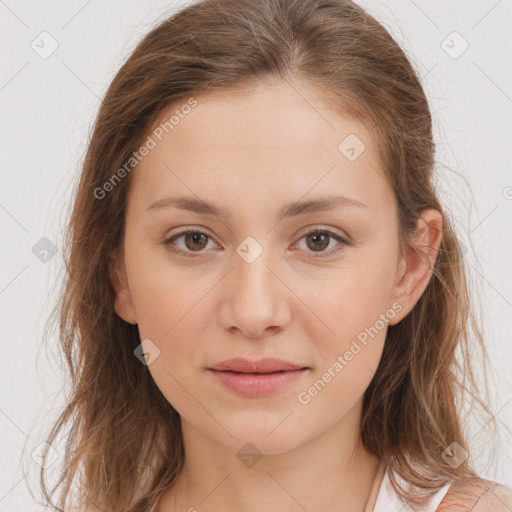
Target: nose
{"type": "Point", "coordinates": [255, 299]}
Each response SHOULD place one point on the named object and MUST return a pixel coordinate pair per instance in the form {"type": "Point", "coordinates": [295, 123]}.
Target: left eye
{"type": "Point", "coordinates": [196, 241]}
{"type": "Point", "coordinates": [321, 238]}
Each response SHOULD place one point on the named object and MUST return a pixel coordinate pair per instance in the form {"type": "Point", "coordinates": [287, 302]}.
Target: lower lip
{"type": "Point", "coordinates": [251, 385]}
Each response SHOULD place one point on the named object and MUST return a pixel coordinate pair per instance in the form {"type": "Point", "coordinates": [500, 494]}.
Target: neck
{"type": "Point", "coordinates": [330, 472]}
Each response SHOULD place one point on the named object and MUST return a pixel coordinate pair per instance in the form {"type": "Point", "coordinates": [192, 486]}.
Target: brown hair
{"type": "Point", "coordinates": [125, 444]}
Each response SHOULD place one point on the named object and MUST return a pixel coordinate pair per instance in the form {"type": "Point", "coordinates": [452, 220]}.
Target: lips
{"type": "Point", "coordinates": [262, 366]}
{"type": "Point", "coordinates": [256, 379]}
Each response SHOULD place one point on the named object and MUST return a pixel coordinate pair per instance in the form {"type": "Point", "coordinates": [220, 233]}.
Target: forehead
{"type": "Point", "coordinates": [278, 139]}
{"type": "Point", "coordinates": [281, 117]}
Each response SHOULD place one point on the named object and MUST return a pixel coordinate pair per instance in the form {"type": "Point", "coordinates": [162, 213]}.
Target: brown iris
{"type": "Point", "coordinates": [198, 241]}
{"type": "Point", "coordinates": [318, 236]}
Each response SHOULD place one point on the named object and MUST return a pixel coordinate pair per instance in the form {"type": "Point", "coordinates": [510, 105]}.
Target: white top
{"type": "Point", "coordinates": [388, 501]}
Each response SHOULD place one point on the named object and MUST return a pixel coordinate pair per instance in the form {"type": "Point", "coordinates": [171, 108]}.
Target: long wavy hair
{"type": "Point", "coordinates": [124, 445]}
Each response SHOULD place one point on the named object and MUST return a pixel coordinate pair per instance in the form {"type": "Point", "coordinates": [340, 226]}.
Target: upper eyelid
{"type": "Point", "coordinates": [304, 231]}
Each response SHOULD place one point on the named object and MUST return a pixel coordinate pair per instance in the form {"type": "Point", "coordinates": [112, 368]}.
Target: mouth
{"type": "Point", "coordinates": [266, 365]}
{"type": "Point", "coordinates": [256, 373]}
{"type": "Point", "coordinates": [256, 384]}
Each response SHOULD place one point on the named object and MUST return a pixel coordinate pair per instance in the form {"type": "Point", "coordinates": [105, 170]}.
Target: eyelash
{"type": "Point", "coordinates": [190, 254]}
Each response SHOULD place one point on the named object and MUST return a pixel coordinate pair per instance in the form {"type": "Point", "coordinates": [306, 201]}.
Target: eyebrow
{"type": "Point", "coordinates": [201, 206]}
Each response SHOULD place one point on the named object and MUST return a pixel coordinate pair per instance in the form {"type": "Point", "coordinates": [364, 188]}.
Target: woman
{"type": "Point", "coordinates": [265, 295]}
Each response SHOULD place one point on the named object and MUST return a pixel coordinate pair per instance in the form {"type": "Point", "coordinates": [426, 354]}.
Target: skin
{"type": "Point", "coordinates": [251, 153]}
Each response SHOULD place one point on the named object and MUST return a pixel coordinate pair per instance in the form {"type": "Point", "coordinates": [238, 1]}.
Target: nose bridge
{"type": "Point", "coordinates": [254, 296]}
{"type": "Point", "coordinates": [253, 278]}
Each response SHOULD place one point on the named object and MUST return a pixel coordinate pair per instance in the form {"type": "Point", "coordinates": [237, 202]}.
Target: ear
{"type": "Point", "coordinates": [123, 303]}
{"type": "Point", "coordinates": [415, 268]}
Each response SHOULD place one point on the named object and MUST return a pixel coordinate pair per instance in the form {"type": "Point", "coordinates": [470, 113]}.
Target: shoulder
{"type": "Point", "coordinates": [498, 498]}
{"type": "Point", "coordinates": [476, 495]}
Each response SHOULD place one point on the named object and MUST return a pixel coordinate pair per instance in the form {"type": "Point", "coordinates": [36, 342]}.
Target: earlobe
{"type": "Point", "coordinates": [123, 303]}
{"type": "Point", "coordinates": [415, 269]}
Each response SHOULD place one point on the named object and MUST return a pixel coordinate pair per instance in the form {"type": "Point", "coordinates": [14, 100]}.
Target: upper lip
{"type": "Point", "coordinates": [266, 365]}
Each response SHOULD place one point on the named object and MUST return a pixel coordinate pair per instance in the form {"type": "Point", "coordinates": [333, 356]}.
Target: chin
{"type": "Point", "coordinates": [272, 441]}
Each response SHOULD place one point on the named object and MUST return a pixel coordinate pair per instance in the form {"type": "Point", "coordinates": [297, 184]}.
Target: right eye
{"type": "Point", "coordinates": [195, 241]}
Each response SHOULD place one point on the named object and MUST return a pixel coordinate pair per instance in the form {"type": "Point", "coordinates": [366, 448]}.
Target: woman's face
{"type": "Point", "coordinates": [256, 284]}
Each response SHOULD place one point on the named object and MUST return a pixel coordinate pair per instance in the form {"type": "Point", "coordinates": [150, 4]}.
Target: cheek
{"type": "Point", "coordinates": [349, 355]}
{"type": "Point", "coordinates": [354, 308]}
{"type": "Point", "coordinates": [173, 312]}
{"type": "Point", "coordinates": [166, 296]}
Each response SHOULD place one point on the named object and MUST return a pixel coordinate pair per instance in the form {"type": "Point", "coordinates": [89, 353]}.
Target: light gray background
{"type": "Point", "coordinates": [48, 105]}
